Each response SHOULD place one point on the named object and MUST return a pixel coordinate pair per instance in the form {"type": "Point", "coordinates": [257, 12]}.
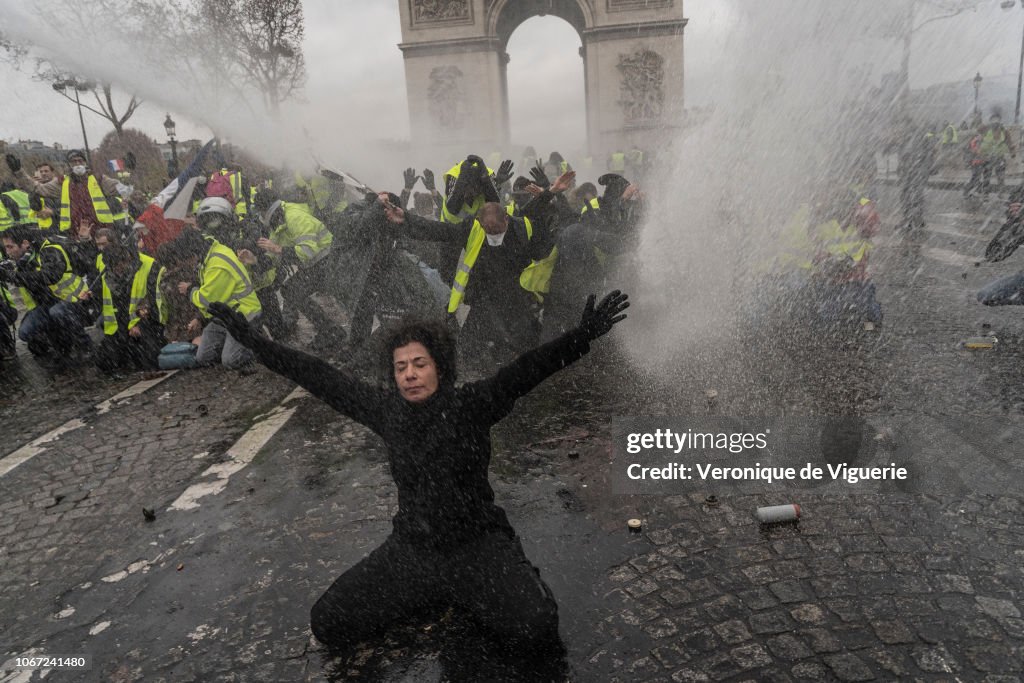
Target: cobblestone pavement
{"type": "Point", "coordinates": [917, 587]}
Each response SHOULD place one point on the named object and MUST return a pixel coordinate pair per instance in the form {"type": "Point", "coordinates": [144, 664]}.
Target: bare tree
{"type": "Point", "coordinates": [262, 41]}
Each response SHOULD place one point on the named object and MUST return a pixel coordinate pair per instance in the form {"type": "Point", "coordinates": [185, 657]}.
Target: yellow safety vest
{"type": "Point", "coordinates": [99, 205]}
{"type": "Point", "coordinates": [799, 249]}
{"type": "Point", "coordinates": [43, 223]}
{"type": "Point", "coordinates": [235, 180]}
{"type": "Point", "coordinates": [474, 244]}
{"type": "Point", "coordinates": [138, 296]}
{"type": "Point", "coordinates": [237, 292]}
{"type": "Point", "coordinates": [20, 198]}
{"type": "Point", "coordinates": [536, 277]}
{"type": "Point", "coordinates": [6, 219]}
{"type": "Point", "coordinates": [304, 232]}
{"type": "Point", "coordinates": [69, 287]}
{"type": "Point", "coordinates": [593, 205]}
{"type": "Point", "coordinates": [467, 211]}
{"type": "Point", "coordinates": [618, 162]}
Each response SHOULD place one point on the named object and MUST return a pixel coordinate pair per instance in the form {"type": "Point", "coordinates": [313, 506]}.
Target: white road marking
{"type": "Point", "coordinates": [34, 448]}
{"type": "Point", "coordinates": [37, 446]}
{"type": "Point", "coordinates": [133, 390]}
{"type": "Point", "coordinates": [239, 455]}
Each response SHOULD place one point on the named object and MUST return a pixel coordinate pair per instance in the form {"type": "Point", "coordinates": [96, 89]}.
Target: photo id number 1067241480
{"type": "Point", "coordinates": [31, 662]}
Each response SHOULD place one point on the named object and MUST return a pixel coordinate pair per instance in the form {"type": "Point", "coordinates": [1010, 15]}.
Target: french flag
{"type": "Point", "coordinates": [115, 165]}
{"type": "Point", "coordinates": [164, 218]}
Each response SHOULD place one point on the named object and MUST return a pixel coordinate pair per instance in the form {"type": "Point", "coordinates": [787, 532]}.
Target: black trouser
{"type": "Point", "coordinates": [121, 351]}
{"type": "Point", "coordinates": [8, 316]}
{"type": "Point", "coordinates": [577, 274]}
{"type": "Point", "coordinates": [490, 580]}
{"type": "Point", "coordinates": [497, 333]}
{"type": "Point", "coordinates": [297, 290]}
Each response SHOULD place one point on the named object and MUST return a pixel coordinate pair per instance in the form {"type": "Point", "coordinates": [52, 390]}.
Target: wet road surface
{"type": "Point", "coordinates": [262, 497]}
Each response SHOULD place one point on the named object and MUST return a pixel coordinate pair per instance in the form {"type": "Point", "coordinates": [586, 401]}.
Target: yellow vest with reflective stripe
{"type": "Point", "coordinates": [69, 287]}
{"type": "Point", "coordinates": [238, 293]}
{"type": "Point", "coordinates": [467, 211]}
{"type": "Point", "coordinates": [6, 219]}
{"type": "Point", "coordinates": [99, 204]}
{"type": "Point", "coordinates": [241, 208]}
{"type": "Point", "coordinates": [43, 223]}
{"type": "Point", "coordinates": [536, 277]}
{"type": "Point", "coordinates": [474, 244]}
{"type": "Point", "coordinates": [20, 198]}
{"type": "Point", "coordinates": [304, 232]}
{"type": "Point", "coordinates": [138, 296]}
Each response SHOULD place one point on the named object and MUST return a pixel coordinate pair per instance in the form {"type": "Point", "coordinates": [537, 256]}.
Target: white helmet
{"type": "Point", "coordinates": [215, 205]}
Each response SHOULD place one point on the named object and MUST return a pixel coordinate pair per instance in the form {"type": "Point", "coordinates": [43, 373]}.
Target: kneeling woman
{"type": "Point", "coordinates": [450, 546]}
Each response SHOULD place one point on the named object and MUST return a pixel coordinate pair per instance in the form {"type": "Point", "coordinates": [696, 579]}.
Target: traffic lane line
{"type": "Point", "coordinates": [40, 444]}
{"type": "Point", "coordinates": [240, 454]}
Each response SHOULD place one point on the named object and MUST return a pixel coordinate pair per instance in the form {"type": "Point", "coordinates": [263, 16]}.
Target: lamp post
{"type": "Point", "coordinates": [172, 165]}
{"type": "Point", "coordinates": [977, 86]}
{"type": "Point", "coordinates": [62, 85]}
{"type": "Point", "coordinates": [1008, 4]}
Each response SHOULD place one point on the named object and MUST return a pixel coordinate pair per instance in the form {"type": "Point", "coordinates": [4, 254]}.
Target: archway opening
{"type": "Point", "coordinates": [546, 90]}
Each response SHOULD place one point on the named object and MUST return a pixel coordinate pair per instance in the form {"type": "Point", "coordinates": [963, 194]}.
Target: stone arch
{"type": "Point", "coordinates": [505, 16]}
{"type": "Point", "coordinates": [455, 67]}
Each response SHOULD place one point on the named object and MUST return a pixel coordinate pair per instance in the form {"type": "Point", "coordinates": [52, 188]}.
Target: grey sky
{"type": "Point", "coordinates": [356, 76]}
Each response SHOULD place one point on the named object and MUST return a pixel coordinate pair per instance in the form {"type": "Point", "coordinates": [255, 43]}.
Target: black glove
{"type": "Point", "coordinates": [539, 177]}
{"type": "Point", "coordinates": [129, 161]}
{"type": "Point", "coordinates": [13, 163]}
{"type": "Point", "coordinates": [236, 324]}
{"type": "Point", "coordinates": [410, 178]}
{"type": "Point", "coordinates": [8, 268]}
{"type": "Point", "coordinates": [599, 321]}
{"type": "Point", "coordinates": [428, 180]}
{"type": "Point", "coordinates": [25, 262]}
{"type": "Point", "coordinates": [504, 174]}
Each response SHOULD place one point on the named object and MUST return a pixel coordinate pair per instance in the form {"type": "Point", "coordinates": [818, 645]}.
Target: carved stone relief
{"type": "Point", "coordinates": [642, 94]}
{"type": "Point", "coordinates": [626, 5]}
{"type": "Point", "coordinates": [440, 11]}
{"type": "Point", "coordinates": [447, 97]}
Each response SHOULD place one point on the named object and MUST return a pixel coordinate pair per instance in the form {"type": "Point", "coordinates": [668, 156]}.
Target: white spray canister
{"type": "Point", "coordinates": [773, 514]}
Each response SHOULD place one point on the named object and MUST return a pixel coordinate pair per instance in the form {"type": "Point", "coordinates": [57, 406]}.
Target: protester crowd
{"type": "Point", "coordinates": [503, 259]}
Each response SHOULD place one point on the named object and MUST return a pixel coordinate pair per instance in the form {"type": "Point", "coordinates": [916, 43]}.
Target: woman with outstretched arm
{"type": "Point", "coordinates": [451, 545]}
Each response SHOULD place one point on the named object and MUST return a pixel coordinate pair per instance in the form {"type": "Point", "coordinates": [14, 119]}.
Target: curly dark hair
{"type": "Point", "coordinates": [435, 337]}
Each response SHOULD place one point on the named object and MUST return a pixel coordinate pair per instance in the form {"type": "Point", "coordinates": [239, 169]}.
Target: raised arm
{"type": "Point", "coordinates": [339, 389]}
{"type": "Point", "coordinates": [411, 226]}
{"type": "Point", "coordinates": [499, 393]}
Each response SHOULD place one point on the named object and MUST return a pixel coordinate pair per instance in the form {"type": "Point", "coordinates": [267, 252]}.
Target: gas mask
{"type": "Point", "coordinates": [213, 222]}
{"type": "Point", "coordinates": [496, 240]}
{"type": "Point", "coordinates": [79, 169]}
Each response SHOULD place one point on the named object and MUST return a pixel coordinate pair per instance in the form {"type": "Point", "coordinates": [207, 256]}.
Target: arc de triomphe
{"type": "Point", "coordinates": [455, 68]}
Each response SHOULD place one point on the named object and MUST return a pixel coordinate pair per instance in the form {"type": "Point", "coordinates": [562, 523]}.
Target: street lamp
{"type": "Point", "coordinates": [172, 165]}
{"type": "Point", "coordinates": [977, 86]}
{"type": "Point", "coordinates": [62, 85]}
{"type": "Point", "coordinates": [1008, 4]}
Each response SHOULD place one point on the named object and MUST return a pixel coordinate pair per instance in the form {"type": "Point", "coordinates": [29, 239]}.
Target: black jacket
{"type": "Point", "coordinates": [439, 451]}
